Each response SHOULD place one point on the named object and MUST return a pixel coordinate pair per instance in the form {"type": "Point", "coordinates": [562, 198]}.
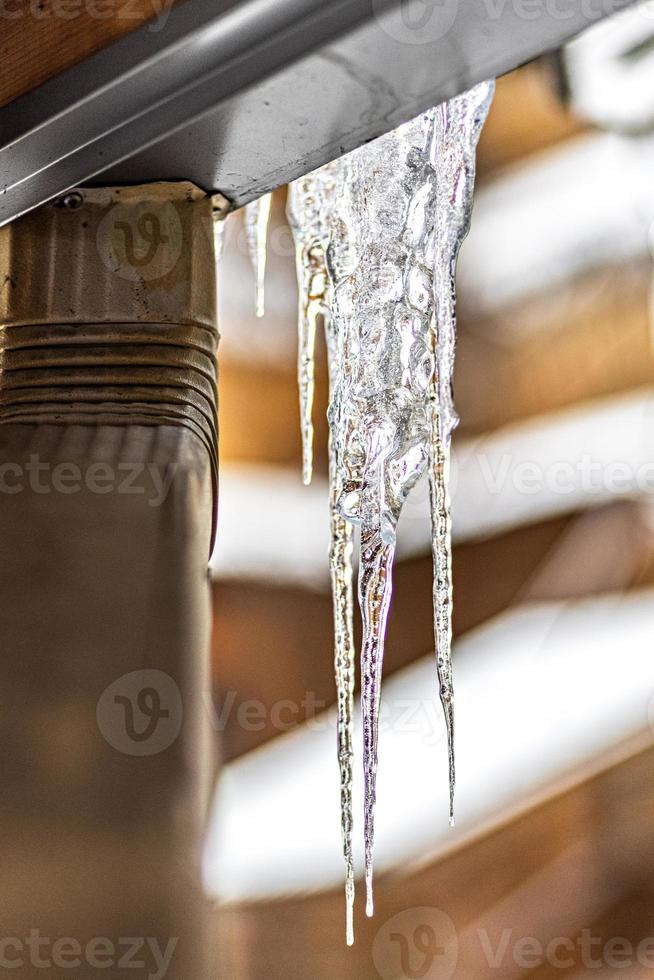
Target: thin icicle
{"type": "Point", "coordinates": [375, 589]}
{"type": "Point", "coordinates": [457, 128]}
{"type": "Point", "coordinates": [308, 209]}
{"type": "Point", "coordinates": [257, 218]}
{"type": "Point", "coordinates": [340, 564]}
{"type": "Point", "coordinates": [219, 226]}
{"type": "Point", "coordinates": [442, 586]}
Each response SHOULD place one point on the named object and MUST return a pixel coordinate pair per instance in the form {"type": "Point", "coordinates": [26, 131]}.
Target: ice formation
{"type": "Point", "coordinates": [310, 205]}
{"type": "Point", "coordinates": [378, 234]}
{"type": "Point", "coordinates": [308, 210]}
{"type": "Point", "coordinates": [257, 217]}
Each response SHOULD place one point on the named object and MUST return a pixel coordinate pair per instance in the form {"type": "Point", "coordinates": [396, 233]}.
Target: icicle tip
{"type": "Point", "coordinates": [349, 926]}
{"type": "Point", "coordinates": [370, 901]}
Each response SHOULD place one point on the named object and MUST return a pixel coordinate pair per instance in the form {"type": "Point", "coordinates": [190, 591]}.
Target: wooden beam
{"type": "Point", "coordinates": [40, 38]}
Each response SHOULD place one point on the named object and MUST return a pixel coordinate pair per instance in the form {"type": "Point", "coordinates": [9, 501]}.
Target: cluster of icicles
{"type": "Point", "coordinates": [377, 236]}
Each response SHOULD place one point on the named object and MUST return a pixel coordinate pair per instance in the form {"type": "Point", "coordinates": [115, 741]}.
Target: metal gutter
{"type": "Point", "coordinates": [241, 96]}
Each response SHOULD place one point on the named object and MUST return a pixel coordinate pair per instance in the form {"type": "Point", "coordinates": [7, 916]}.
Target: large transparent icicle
{"type": "Point", "coordinates": [310, 201]}
{"type": "Point", "coordinates": [257, 218]}
{"type": "Point", "coordinates": [457, 127]}
{"type": "Point", "coordinates": [381, 261]}
{"type": "Point", "coordinates": [389, 220]}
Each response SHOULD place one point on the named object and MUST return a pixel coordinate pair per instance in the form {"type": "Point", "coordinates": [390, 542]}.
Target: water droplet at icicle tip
{"type": "Point", "coordinates": [377, 236]}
